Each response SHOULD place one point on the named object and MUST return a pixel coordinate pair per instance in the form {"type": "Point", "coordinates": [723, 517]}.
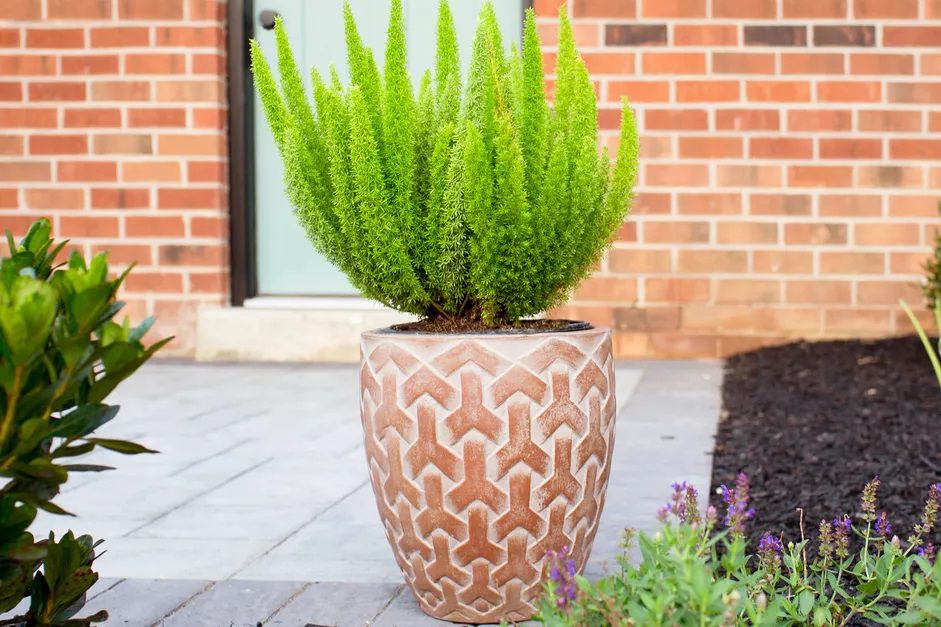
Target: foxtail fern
{"type": "Point", "coordinates": [475, 202]}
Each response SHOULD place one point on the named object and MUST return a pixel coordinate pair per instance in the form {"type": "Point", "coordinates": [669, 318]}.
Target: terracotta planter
{"type": "Point", "coordinates": [486, 451]}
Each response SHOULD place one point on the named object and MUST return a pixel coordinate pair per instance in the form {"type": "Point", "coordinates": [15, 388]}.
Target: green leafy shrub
{"type": "Point", "coordinates": [61, 355]}
{"type": "Point", "coordinates": [699, 571]}
{"type": "Point", "coordinates": [485, 207]}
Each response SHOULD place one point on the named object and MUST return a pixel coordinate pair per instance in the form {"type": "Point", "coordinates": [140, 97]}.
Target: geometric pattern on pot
{"type": "Point", "coordinates": [485, 452]}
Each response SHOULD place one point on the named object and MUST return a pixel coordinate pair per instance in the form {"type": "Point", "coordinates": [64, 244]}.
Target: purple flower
{"type": "Point", "coordinates": [929, 552]}
{"type": "Point", "coordinates": [841, 536]}
{"type": "Point", "coordinates": [870, 499]}
{"type": "Point", "coordinates": [883, 526]}
{"type": "Point", "coordinates": [825, 546]}
{"type": "Point", "coordinates": [769, 551]}
{"type": "Point", "coordinates": [561, 569]}
{"type": "Point", "coordinates": [684, 504]}
{"type": "Point", "coordinates": [929, 516]}
{"type": "Point", "coordinates": [737, 510]}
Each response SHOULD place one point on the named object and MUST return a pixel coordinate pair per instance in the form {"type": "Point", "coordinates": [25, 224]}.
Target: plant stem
{"type": "Point", "coordinates": [8, 418]}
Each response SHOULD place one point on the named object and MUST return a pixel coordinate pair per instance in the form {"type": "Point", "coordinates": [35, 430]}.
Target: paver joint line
{"type": "Point", "coordinates": [394, 596]}
{"type": "Point", "coordinates": [184, 603]}
{"type": "Point", "coordinates": [286, 603]}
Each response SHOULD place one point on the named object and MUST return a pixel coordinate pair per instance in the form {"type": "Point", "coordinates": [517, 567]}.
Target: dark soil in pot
{"type": "Point", "coordinates": [811, 423]}
{"type": "Point", "coordinates": [445, 326]}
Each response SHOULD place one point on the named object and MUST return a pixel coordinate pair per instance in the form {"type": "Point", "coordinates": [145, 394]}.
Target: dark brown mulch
{"type": "Point", "coordinates": [811, 423]}
{"type": "Point", "coordinates": [457, 326]}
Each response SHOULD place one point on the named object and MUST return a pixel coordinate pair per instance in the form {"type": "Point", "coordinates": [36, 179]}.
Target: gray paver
{"type": "Point", "coordinates": [142, 602]}
{"type": "Point", "coordinates": [235, 604]}
{"type": "Point", "coordinates": [337, 604]}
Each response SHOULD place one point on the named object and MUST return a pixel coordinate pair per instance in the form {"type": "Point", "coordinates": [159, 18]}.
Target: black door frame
{"type": "Point", "coordinates": [242, 267]}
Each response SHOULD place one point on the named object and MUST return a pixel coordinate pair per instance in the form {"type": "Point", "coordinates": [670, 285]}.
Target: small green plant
{"type": "Point", "coordinates": [61, 355]}
{"type": "Point", "coordinates": [698, 570]}
{"type": "Point", "coordinates": [933, 354]}
{"type": "Point", "coordinates": [485, 207]}
{"type": "Point", "coordinates": [932, 286]}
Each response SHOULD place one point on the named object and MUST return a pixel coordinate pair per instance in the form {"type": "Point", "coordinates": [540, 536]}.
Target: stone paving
{"type": "Point", "coordinates": [258, 510]}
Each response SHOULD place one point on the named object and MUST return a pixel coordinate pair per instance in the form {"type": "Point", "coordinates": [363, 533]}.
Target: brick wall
{"type": "Point", "coordinates": [789, 182]}
{"type": "Point", "coordinates": [791, 166]}
{"type": "Point", "coordinates": [112, 116]}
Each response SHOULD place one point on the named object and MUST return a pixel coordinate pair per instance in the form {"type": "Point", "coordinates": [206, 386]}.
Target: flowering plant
{"type": "Point", "coordinates": [699, 570]}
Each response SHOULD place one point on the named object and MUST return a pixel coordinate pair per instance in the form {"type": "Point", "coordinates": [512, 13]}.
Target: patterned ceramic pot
{"type": "Point", "coordinates": [485, 452]}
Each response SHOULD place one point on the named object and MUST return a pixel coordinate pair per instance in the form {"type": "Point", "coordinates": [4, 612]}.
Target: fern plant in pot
{"type": "Point", "coordinates": [476, 205]}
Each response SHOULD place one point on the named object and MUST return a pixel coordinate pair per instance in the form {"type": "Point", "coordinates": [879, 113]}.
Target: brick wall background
{"type": "Point", "coordinates": [791, 166]}
{"type": "Point", "coordinates": [789, 184]}
{"type": "Point", "coordinates": [112, 123]}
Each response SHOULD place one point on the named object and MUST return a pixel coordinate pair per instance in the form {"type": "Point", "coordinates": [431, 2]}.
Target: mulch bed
{"type": "Point", "coordinates": [811, 423]}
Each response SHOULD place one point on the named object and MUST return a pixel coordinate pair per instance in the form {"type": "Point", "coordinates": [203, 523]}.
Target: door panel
{"type": "Point", "coordinates": [287, 264]}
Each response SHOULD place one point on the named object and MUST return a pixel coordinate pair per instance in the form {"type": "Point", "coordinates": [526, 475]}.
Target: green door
{"type": "Point", "coordinates": [287, 263]}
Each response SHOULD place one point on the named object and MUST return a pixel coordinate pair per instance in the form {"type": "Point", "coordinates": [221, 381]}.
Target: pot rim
{"type": "Point", "coordinates": [571, 328]}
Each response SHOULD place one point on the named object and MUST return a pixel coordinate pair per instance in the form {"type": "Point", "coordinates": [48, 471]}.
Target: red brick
{"type": "Point", "coordinates": [122, 90]}
{"type": "Point", "coordinates": [748, 291]}
{"type": "Point", "coordinates": [644, 261]}
{"type": "Point", "coordinates": [151, 171]}
{"type": "Point", "coordinates": [817, 292]}
{"type": "Point", "coordinates": [933, 9]}
{"type": "Point", "coordinates": [913, 206]}
{"type": "Point", "coordinates": [887, 176]}
{"type": "Point", "coordinates": [154, 226]}
{"type": "Point", "coordinates": [743, 63]}
{"type": "Point", "coordinates": [28, 118]}
{"type": "Point", "coordinates": [55, 198]}
{"type": "Point", "coordinates": [215, 117]}
{"type": "Point", "coordinates": [87, 226]}
{"type": "Point", "coordinates": [887, 293]}
{"type": "Point", "coordinates": [646, 203]}
{"type": "Point", "coordinates": [746, 232]}
{"type": "Point", "coordinates": [79, 9]}
{"type": "Point", "coordinates": [113, 198]}
{"type": "Point", "coordinates": [675, 8]}
{"type": "Point", "coordinates": [845, 91]}
{"type": "Point", "coordinates": [586, 34]}
{"type": "Point", "coordinates": [911, 36]}
{"type": "Point", "coordinates": [775, 35]}
{"type": "Point", "coordinates": [711, 261]}
{"type": "Point", "coordinates": [192, 255]}
{"type": "Point", "coordinates": [11, 145]}
{"type": "Point", "coordinates": [886, 234]}
{"type": "Point", "coordinates": [931, 64]}
{"type": "Point", "coordinates": [707, 91]}
{"type": "Point", "coordinates": [779, 204]}
{"type": "Point", "coordinates": [934, 121]}
{"type": "Point", "coordinates": [675, 232]}
{"type": "Point", "coordinates": [676, 119]}
{"type": "Point", "coordinates": [812, 9]}
{"type": "Point", "coordinates": [820, 176]}
{"type": "Point", "coordinates": [778, 91]}
{"type": "Point", "coordinates": [843, 35]}
{"type": "Point", "coordinates": [745, 8]}
{"type": "Point", "coordinates": [149, 63]}
{"type": "Point", "coordinates": [190, 198]}
{"type": "Point", "coordinates": [22, 171]}
{"type": "Point", "coordinates": [891, 121]}
{"type": "Point", "coordinates": [189, 144]}
{"type": "Point", "coordinates": [882, 64]}
{"type": "Point", "coordinates": [852, 263]}
{"type": "Point", "coordinates": [885, 9]}
{"type": "Point", "coordinates": [709, 203]}
{"type": "Point", "coordinates": [86, 171]}
{"type": "Point", "coordinates": [158, 282]}
{"type": "Point", "coordinates": [20, 10]}
{"type": "Point", "coordinates": [812, 63]}
{"type": "Point", "coordinates": [780, 148]}
{"type": "Point", "coordinates": [10, 92]}
{"type": "Point", "coordinates": [209, 64]}
{"type": "Point", "coordinates": [58, 144]}
{"type": "Point", "coordinates": [778, 261]}
{"type": "Point", "coordinates": [90, 64]}
{"type": "Point", "coordinates": [92, 118]}
{"type": "Point", "coordinates": [120, 36]}
{"type": "Point", "coordinates": [126, 253]}
{"type": "Point", "coordinates": [122, 144]}
{"type": "Point", "coordinates": [9, 38]}
{"type": "Point", "coordinates": [674, 63]}
{"type": "Point", "coordinates": [747, 119]}
{"type": "Point", "coordinates": [9, 199]}
{"type": "Point", "coordinates": [815, 233]}
{"type": "Point", "coordinates": [819, 120]}
{"type": "Point", "coordinates": [915, 149]}
{"type": "Point", "coordinates": [150, 10]}
{"type": "Point", "coordinates": [548, 8]}
{"type": "Point", "coordinates": [214, 10]}
{"type": "Point", "coordinates": [705, 35]}
{"type": "Point", "coordinates": [635, 35]}
{"type": "Point", "coordinates": [191, 91]}
{"type": "Point", "coordinates": [603, 8]}
{"type": "Point", "coordinates": [672, 175]}
{"type": "Point", "coordinates": [189, 36]}
{"type": "Point", "coordinates": [850, 205]}
{"type": "Point", "coordinates": [748, 175]}
{"type": "Point", "coordinates": [639, 91]}
{"type": "Point", "coordinates": [206, 172]}
{"type": "Point", "coordinates": [208, 227]}
{"type": "Point", "coordinates": [916, 93]}
{"type": "Point", "coordinates": [660, 290]}
{"type": "Point", "coordinates": [607, 288]}
{"type": "Point", "coordinates": [47, 92]}
{"type": "Point", "coordinates": [602, 62]}
{"type": "Point", "coordinates": [156, 117]}
{"type": "Point", "coordinates": [56, 38]}
{"type": "Point", "coordinates": [710, 147]}
{"type": "Point", "coordinates": [850, 148]}
{"type": "Point", "coordinates": [27, 65]}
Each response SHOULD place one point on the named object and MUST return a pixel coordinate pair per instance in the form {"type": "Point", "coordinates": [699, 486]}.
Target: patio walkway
{"type": "Point", "coordinates": [258, 509]}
